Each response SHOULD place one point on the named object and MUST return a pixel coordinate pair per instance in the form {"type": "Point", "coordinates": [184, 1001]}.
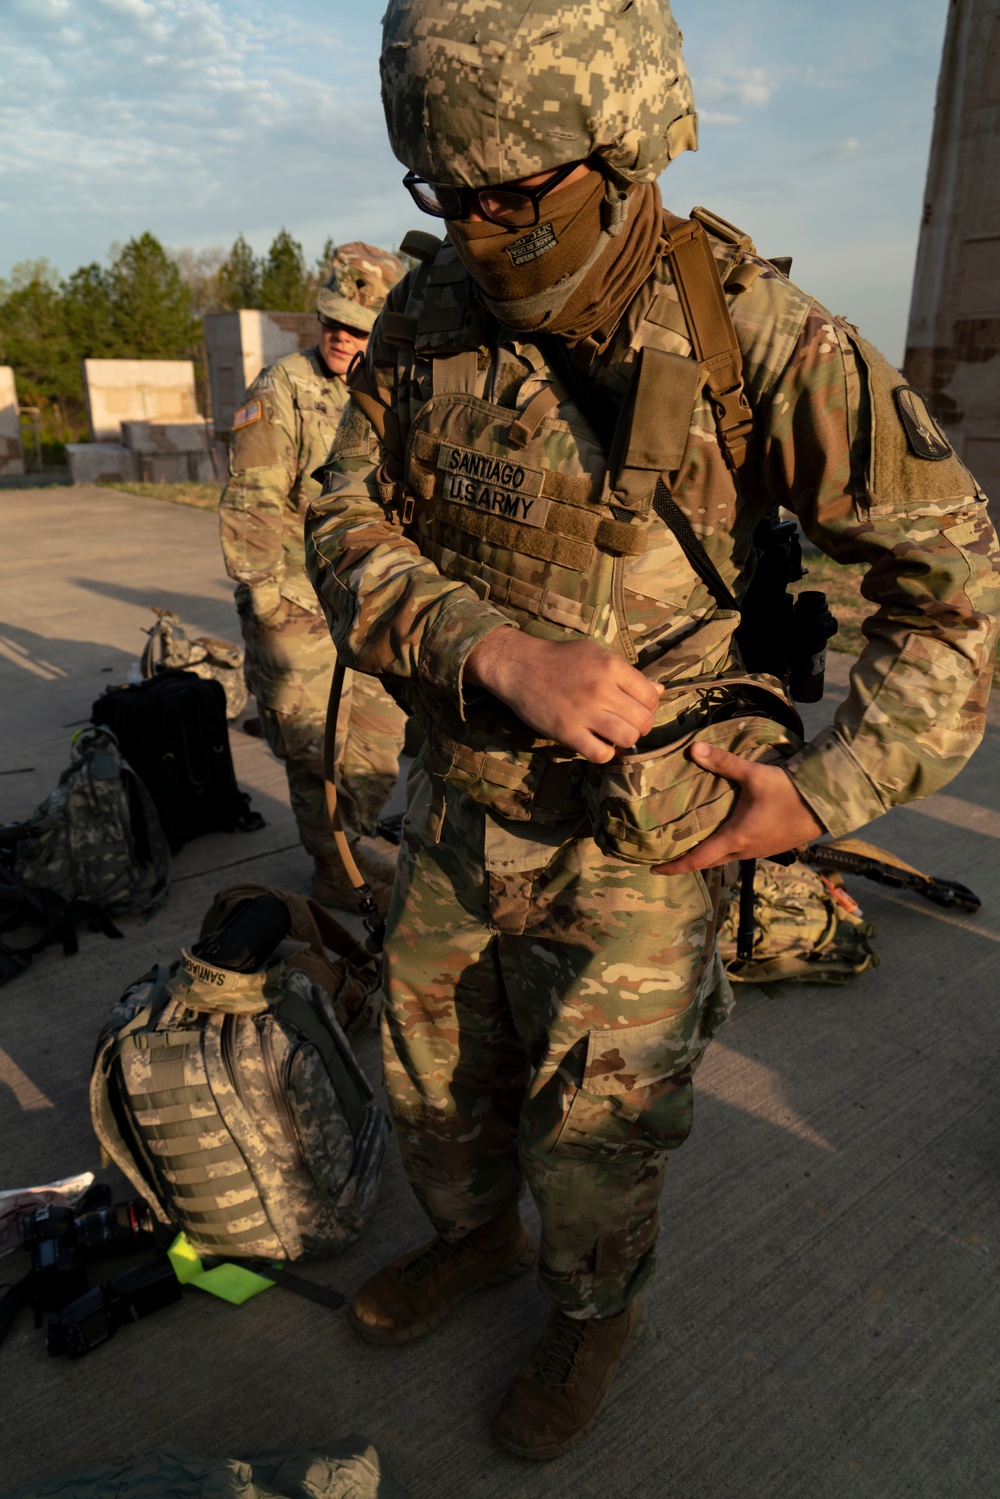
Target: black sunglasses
{"type": "Point", "coordinates": [511, 207]}
{"type": "Point", "coordinates": [333, 327]}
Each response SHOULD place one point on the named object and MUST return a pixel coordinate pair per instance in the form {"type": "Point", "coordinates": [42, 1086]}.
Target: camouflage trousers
{"type": "Point", "coordinates": [546, 1008]}
{"type": "Point", "coordinates": [289, 666]}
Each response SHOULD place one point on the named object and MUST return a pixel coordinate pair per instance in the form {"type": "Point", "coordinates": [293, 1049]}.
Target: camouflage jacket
{"type": "Point", "coordinates": [281, 434]}
{"type": "Point", "coordinates": [829, 444]}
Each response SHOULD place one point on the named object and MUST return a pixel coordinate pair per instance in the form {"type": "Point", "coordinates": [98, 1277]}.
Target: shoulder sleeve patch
{"type": "Point", "coordinates": [247, 415]}
{"type": "Point", "coordinates": [923, 434]}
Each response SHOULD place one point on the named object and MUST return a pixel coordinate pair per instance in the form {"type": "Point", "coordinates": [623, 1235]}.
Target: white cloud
{"type": "Point", "coordinates": [196, 118]}
{"type": "Point", "coordinates": [751, 87]}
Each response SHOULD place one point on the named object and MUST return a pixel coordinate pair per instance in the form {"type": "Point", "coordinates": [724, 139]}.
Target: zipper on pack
{"type": "Point", "coordinates": [274, 1083]}
{"type": "Point", "coordinates": [227, 1046]}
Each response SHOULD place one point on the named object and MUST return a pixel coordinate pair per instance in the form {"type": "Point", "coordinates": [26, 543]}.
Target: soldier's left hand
{"type": "Point", "coordinates": [769, 816]}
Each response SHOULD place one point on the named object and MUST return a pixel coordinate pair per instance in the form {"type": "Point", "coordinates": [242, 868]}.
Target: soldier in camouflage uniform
{"type": "Point", "coordinates": [281, 434]}
{"type": "Point", "coordinates": [543, 609]}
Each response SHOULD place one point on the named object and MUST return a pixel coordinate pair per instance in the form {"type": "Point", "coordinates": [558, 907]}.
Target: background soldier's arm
{"type": "Point", "coordinates": [263, 460]}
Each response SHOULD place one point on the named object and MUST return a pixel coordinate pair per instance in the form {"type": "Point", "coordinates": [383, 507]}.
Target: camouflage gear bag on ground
{"type": "Point", "coordinates": [230, 1096]}
{"type": "Point", "coordinates": [97, 837]}
{"type": "Point", "coordinates": [170, 647]}
{"type": "Point", "coordinates": [807, 930]}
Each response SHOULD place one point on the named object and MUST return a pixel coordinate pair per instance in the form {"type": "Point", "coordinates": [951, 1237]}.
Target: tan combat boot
{"type": "Point", "coordinates": [331, 887]}
{"type": "Point", "coordinates": [556, 1398]}
{"type": "Point", "coordinates": [414, 1293]}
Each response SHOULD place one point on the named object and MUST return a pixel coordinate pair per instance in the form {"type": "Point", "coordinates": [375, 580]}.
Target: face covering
{"type": "Point", "coordinates": [575, 271]}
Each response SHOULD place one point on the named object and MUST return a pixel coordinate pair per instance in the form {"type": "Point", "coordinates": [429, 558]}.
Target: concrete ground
{"type": "Point", "coordinates": [825, 1317]}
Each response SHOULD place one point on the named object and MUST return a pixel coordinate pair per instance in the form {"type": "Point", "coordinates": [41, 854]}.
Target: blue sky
{"type": "Point", "coordinates": [199, 119]}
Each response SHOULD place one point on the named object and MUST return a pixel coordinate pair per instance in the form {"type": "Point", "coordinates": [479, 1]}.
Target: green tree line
{"type": "Point", "coordinates": [146, 303]}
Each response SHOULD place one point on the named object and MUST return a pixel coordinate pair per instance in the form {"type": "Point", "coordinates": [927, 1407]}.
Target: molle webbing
{"type": "Point", "coordinates": [711, 331]}
{"type": "Point", "coordinates": [558, 790]}
{"type": "Point", "coordinates": [500, 588]}
{"type": "Point", "coordinates": [175, 1115]}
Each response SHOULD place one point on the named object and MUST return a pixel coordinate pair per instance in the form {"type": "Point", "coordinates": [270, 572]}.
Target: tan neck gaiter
{"type": "Point", "coordinates": [593, 248]}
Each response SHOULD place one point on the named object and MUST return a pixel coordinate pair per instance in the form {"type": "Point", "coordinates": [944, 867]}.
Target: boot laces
{"type": "Point", "coordinates": [560, 1358]}
{"type": "Point", "coordinates": [425, 1264]}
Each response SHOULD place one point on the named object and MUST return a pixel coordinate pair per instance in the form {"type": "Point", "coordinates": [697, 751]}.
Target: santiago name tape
{"type": "Point", "coordinates": [487, 482]}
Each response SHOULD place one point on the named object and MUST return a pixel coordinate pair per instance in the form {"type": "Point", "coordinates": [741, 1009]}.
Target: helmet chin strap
{"type": "Point", "coordinates": [534, 312]}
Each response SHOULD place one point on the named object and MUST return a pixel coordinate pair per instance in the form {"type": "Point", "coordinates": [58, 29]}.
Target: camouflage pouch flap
{"type": "Point", "coordinates": [654, 803]}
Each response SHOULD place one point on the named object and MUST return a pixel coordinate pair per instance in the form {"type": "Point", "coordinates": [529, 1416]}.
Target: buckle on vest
{"type": "Point", "coordinates": [406, 509]}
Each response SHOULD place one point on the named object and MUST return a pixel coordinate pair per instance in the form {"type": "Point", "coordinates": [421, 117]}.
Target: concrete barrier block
{"type": "Point", "coordinates": [100, 463]}
{"type": "Point", "coordinates": [11, 450]}
{"type": "Point", "coordinates": [151, 390]}
{"type": "Point", "coordinates": [166, 437]}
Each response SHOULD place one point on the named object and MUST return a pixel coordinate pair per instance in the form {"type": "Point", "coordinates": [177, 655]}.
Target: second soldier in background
{"type": "Point", "coordinates": [280, 435]}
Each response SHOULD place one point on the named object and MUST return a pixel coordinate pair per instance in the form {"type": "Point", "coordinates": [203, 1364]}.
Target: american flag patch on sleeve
{"type": "Point", "coordinates": [247, 415]}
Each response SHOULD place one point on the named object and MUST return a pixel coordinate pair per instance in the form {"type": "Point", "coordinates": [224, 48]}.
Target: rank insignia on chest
{"type": "Point", "coordinates": [924, 436]}
{"type": "Point", "coordinates": [247, 415]}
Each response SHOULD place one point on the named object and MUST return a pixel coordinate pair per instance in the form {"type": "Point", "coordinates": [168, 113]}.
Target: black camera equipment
{"type": "Point", "coordinates": [62, 1241]}
{"type": "Point", "coordinates": [780, 634]}
{"type": "Point", "coordinates": [94, 1317]}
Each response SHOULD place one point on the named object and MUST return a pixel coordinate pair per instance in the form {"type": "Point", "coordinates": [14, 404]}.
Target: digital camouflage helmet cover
{"type": "Point", "coordinates": [485, 91]}
{"type": "Point", "coordinates": [361, 277]}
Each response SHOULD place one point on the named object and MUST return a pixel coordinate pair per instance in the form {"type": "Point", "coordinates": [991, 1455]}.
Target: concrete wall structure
{"type": "Point", "coordinates": [153, 452]}
{"type": "Point", "coordinates": [11, 450]}
{"type": "Point", "coordinates": [953, 343]}
{"type": "Point", "coordinates": [156, 390]}
{"type": "Point", "coordinates": [240, 344]}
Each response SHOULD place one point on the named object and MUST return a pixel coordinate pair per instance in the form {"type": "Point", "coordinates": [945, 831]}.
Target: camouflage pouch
{"type": "Point", "coordinates": [171, 648]}
{"type": "Point", "coordinates": [654, 803]}
{"type": "Point", "coordinates": [808, 929]}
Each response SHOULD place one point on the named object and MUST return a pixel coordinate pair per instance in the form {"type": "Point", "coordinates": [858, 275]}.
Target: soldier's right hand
{"type": "Point", "coordinates": [573, 691]}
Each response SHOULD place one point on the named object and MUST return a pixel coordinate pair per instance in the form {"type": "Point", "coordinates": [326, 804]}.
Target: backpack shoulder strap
{"type": "Point", "coordinates": [713, 337]}
{"type": "Point", "coordinates": [159, 848]}
{"type": "Point", "coordinates": [128, 1155]}
{"type": "Point", "coordinates": [337, 1059]}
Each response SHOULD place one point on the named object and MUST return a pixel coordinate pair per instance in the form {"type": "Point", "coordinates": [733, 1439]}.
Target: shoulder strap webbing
{"type": "Point", "coordinates": [713, 336]}
{"type": "Point", "coordinates": [603, 416]}
{"type": "Point", "coordinates": [159, 848]}
{"type": "Point", "coordinates": [296, 1008]}
{"type": "Point", "coordinates": [673, 516]}
{"type": "Point", "coordinates": [598, 406]}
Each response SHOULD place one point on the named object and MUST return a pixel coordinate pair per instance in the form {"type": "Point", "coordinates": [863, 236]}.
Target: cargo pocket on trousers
{"type": "Point", "coordinates": [634, 1099]}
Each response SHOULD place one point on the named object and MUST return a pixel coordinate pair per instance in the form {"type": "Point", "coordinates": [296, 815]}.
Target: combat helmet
{"type": "Point", "coordinates": [478, 94]}
{"type": "Point", "coordinates": [361, 278]}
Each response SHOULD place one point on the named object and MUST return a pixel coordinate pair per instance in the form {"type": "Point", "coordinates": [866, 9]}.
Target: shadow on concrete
{"type": "Point", "coordinates": [193, 608]}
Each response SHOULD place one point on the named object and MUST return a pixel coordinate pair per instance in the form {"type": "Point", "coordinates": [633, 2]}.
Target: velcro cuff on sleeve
{"type": "Point", "coordinates": [460, 626]}
{"type": "Point", "coordinates": [833, 785]}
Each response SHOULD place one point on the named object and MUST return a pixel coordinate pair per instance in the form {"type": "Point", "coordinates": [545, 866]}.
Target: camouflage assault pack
{"type": "Point", "coordinates": [228, 1093]}
{"type": "Point", "coordinates": [171, 648]}
{"type": "Point", "coordinates": [807, 929]}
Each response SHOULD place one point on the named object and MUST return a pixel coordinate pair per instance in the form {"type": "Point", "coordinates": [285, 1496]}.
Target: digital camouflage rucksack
{"type": "Point", "coordinates": [225, 1088]}
{"type": "Point", "coordinates": [96, 838]}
